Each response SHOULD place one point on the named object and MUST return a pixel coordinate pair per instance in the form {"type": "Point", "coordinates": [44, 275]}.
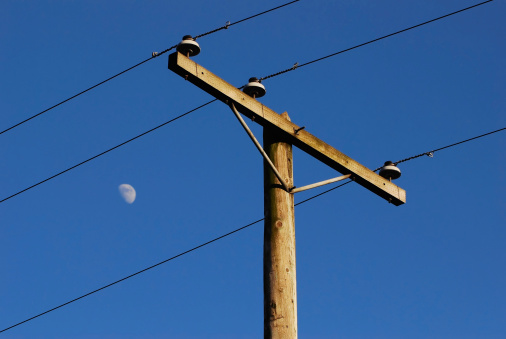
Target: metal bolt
{"type": "Point", "coordinates": [298, 129]}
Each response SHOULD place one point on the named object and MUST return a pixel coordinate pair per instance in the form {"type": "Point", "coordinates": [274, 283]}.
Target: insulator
{"type": "Point", "coordinates": [390, 171]}
{"type": "Point", "coordinates": [254, 88]}
{"type": "Point", "coordinates": [188, 46]}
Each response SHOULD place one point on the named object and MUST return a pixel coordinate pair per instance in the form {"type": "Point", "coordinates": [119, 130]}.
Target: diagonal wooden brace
{"type": "Point", "coordinates": [259, 147]}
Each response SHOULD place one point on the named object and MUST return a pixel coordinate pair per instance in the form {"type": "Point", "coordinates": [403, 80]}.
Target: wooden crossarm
{"type": "Point", "coordinates": [266, 117]}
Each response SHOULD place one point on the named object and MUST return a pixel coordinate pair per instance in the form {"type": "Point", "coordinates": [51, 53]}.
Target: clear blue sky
{"type": "Point", "coordinates": [432, 268]}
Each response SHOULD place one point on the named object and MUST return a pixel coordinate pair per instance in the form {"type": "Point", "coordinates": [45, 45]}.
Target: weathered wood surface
{"type": "Point", "coordinates": [280, 287]}
{"type": "Point", "coordinates": [266, 117]}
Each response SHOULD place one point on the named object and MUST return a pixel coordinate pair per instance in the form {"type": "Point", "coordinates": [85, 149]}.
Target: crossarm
{"type": "Point", "coordinates": [302, 139]}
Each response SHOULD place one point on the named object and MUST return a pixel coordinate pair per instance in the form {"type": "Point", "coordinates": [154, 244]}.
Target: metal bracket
{"type": "Point", "coordinates": [257, 144]}
{"type": "Point", "coordinates": [321, 183]}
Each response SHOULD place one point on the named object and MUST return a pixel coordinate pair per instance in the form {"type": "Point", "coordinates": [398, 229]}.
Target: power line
{"type": "Point", "coordinates": [243, 227]}
{"type": "Point", "coordinates": [270, 10]}
{"type": "Point", "coordinates": [107, 151]}
{"type": "Point", "coordinates": [160, 263]}
{"type": "Point", "coordinates": [78, 94]}
{"type": "Point", "coordinates": [132, 275]}
{"type": "Point", "coordinates": [228, 24]}
{"type": "Point", "coordinates": [153, 55]}
{"type": "Point", "coordinates": [431, 153]}
{"type": "Point", "coordinates": [225, 235]}
{"type": "Point", "coordinates": [296, 65]}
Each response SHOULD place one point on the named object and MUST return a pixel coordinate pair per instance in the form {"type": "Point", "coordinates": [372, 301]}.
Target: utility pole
{"type": "Point", "coordinates": [280, 288]}
{"type": "Point", "coordinates": [280, 284]}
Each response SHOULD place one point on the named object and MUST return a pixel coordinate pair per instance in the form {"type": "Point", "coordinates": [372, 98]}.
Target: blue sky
{"type": "Point", "coordinates": [432, 268]}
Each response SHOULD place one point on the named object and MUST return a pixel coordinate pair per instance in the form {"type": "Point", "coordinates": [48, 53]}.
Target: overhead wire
{"type": "Point", "coordinates": [265, 12]}
{"type": "Point", "coordinates": [107, 151]}
{"type": "Point", "coordinates": [76, 95]}
{"type": "Point", "coordinates": [142, 134]}
{"type": "Point", "coordinates": [297, 66]}
{"type": "Point", "coordinates": [153, 56]}
{"type": "Point", "coordinates": [134, 274]}
{"type": "Point", "coordinates": [228, 24]}
{"type": "Point", "coordinates": [227, 234]}
{"type": "Point", "coordinates": [159, 263]}
{"type": "Point", "coordinates": [431, 153]}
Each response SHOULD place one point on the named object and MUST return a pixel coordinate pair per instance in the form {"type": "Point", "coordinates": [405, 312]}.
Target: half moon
{"type": "Point", "coordinates": [127, 192]}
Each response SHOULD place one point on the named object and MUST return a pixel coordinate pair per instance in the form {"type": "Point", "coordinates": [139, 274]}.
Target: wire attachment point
{"type": "Point", "coordinates": [294, 67]}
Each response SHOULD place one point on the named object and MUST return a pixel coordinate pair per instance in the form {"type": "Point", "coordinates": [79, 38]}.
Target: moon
{"type": "Point", "coordinates": [127, 192]}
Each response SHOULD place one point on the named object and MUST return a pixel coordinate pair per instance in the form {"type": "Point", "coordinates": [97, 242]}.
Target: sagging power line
{"type": "Point", "coordinates": [153, 56]}
{"type": "Point", "coordinates": [107, 151]}
{"type": "Point", "coordinates": [270, 76]}
{"type": "Point", "coordinates": [296, 65]}
{"type": "Point", "coordinates": [234, 231]}
{"type": "Point", "coordinates": [155, 265]}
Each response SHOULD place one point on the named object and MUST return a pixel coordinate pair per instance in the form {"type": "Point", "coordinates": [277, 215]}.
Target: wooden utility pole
{"type": "Point", "coordinates": [280, 286]}
{"type": "Point", "coordinates": [280, 291]}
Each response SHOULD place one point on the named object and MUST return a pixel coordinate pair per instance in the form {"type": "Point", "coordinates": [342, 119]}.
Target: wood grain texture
{"type": "Point", "coordinates": [280, 286]}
